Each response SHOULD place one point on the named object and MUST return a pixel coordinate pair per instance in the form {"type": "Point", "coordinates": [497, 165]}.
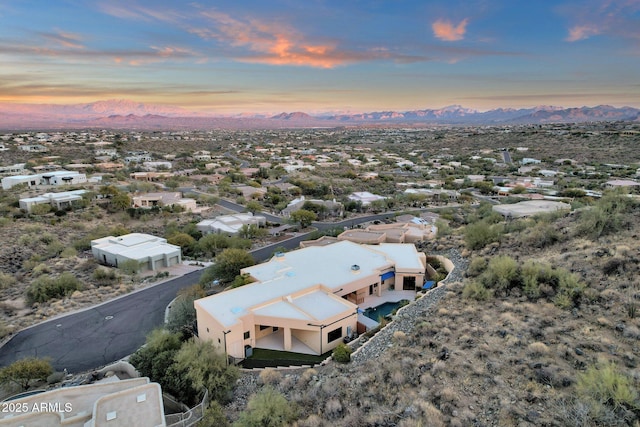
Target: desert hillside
{"type": "Point", "coordinates": [542, 331]}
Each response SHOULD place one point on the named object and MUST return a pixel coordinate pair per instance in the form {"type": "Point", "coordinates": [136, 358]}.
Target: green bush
{"type": "Point", "coordinates": [610, 214]}
{"type": "Point", "coordinates": [104, 276]}
{"type": "Point", "coordinates": [45, 287]}
{"type": "Point", "coordinates": [480, 234]}
{"type": "Point", "coordinates": [502, 273]}
{"type": "Point", "coordinates": [267, 408]}
{"type": "Point", "coordinates": [342, 353]}
{"type": "Point", "coordinates": [476, 266]}
{"type": "Point", "coordinates": [605, 385]}
{"type": "Point", "coordinates": [477, 291]}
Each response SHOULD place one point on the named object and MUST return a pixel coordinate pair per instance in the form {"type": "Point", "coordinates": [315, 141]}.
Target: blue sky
{"type": "Point", "coordinates": [317, 56]}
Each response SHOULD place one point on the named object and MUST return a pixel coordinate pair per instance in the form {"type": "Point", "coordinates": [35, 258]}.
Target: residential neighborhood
{"type": "Point", "coordinates": [302, 245]}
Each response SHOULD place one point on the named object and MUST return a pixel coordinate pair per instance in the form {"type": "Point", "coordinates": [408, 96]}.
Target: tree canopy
{"type": "Point", "coordinates": [228, 265]}
{"type": "Point", "coordinates": [23, 371]}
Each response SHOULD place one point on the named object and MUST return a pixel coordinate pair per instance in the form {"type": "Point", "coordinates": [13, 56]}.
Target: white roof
{"type": "Point", "coordinates": [295, 271]}
{"type": "Point", "coordinates": [135, 245]}
{"type": "Point", "coordinates": [404, 256]}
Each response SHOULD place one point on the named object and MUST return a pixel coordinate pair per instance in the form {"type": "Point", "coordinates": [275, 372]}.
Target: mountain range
{"type": "Point", "coordinates": [129, 114]}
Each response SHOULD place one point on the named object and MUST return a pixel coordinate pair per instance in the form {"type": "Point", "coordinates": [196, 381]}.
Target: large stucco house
{"type": "Point", "coordinates": [306, 299]}
{"type": "Point", "coordinates": [149, 251]}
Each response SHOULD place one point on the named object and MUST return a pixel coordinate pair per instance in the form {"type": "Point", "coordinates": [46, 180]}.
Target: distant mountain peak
{"type": "Point", "coordinates": [298, 115]}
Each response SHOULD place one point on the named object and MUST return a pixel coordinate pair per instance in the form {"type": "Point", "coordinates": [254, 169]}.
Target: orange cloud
{"type": "Point", "coordinates": [581, 32]}
{"type": "Point", "coordinates": [445, 30]}
{"type": "Point", "coordinates": [271, 42]}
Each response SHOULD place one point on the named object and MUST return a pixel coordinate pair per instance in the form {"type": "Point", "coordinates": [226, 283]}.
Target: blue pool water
{"type": "Point", "coordinates": [383, 310]}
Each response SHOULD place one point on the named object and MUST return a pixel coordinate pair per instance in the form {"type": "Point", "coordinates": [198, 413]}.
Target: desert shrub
{"type": "Point", "coordinates": [399, 336]}
{"type": "Point", "coordinates": [45, 287]}
{"type": "Point", "coordinates": [541, 236]}
{"type": "Point", "coordinates": [182, 314]}
{"type": "Point", "coordinates": [213, 416]}
{"type": "Point", "coordinates": [130, 267]}
{"type": "Point", "coordinates": [104, 276]}
{"type": "Point", "coordinates": [444, 229]}
{"type": "Point", "coordinates": [40, 269]}
{"type": "Point", "coordinates": [537, 348]}
{"type": "Point", "coordinates": [6, 280]}
{"type": "Point", "coordinates": [477, 291]}
{"type": "Point", "coordinates": [69, 252]}
{"type": "Point", "coordinates": [267, 408]}
{"type": "Point", "coordinates": [608, 215]}
{"type": "Point", "coordinates": [604, 387]}
{"type": "Point", "coordinates": [22, 372]}
{"type": "Point", "coordinates": [270, 376]}
{"type": "Point", "coordinates": [41, 209]}
{"type": "Point", "coordinates": [342, 353]}
{"type": "Point", "coordinates": [480, 234]}
{"type": "Point", "coordinates": [502, 273]}
{"type": "Point", "coordinates": [476, 266]}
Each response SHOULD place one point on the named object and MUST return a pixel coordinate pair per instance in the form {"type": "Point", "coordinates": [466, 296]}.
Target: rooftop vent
{"type": "Point", "coordinates": [355, 267]}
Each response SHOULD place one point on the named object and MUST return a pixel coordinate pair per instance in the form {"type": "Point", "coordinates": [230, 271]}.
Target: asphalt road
{"type": "Point", "coordinates": [100, 335]}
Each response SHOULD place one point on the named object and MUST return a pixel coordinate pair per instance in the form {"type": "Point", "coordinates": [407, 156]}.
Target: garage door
{"type": "Point", "coordinates": [158, 264]}
{"type": "Point", "coordinates": [173, 260]}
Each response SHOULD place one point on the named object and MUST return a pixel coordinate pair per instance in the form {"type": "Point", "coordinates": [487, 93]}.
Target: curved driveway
{"type": "Point", "coordinates": [102, 334]}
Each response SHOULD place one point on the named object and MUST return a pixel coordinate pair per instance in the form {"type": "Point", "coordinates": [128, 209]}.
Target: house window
{"type": "Point", "coordinates": [247, 335]}
{"type": "Point", "coordinates": [263, 327]}
{"type": "Point", "coordinates": [336, 334]}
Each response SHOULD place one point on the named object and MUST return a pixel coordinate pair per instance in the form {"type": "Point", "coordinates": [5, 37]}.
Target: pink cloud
{"type": "Point", "coordinates": [581, 32]}
{"type": "Point", "coordinates": [64, 39]}
{"type": "Point", "coordinates": [447, 31]}
{"type": "Point", "coordinates": [274, 43]}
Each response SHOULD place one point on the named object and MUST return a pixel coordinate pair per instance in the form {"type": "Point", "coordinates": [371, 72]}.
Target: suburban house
{"type": "Point", "coordinates": [151, 176]}
{"type": "Point", "coordinates": [530, 208]}
{"type": "Point", "coordinates": [58, 201]}
{"type": "Point", "coordinates": [621, 183]}
{"type": "Point", "coordinates": [61, 177]}
{"type": "Point", "coordinates": [116, 403]}
{"type": "Point", "coordinates": [332, 207]}
{"type": "Point", "coordinates": [365, 197]}
{"type": "Point", "coordinates": [409, 230]}
{"type": "Point", "coordinates": [17, 168]}
{"type": "Point", "coordinates": [149, 251]}
{"type": "Point", "coordinates": [230, 224]}
{"type": "Point", "coordinates": [150, 200]}
{"type": "Point", "coordinates": [307, 300]}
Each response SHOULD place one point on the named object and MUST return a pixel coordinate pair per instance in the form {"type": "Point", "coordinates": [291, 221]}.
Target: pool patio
{"type": "Point", "coordinates": [275, 341]}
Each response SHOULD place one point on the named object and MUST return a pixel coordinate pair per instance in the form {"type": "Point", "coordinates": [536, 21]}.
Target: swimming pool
{"type": "Point", "coordinates": [383, 310]}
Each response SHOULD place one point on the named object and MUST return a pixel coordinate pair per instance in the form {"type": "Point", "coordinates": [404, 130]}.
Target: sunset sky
{"type": "Point", "coordinates": [322, 56]}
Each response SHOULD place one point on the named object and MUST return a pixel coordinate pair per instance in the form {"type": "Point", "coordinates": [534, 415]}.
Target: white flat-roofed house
{"type": "Point", "coordinates": [149, 251]}
{"type": "Point", "coordinates": [365, 197]}
{"type": "Point", "coordinates": [61, 177]}
{"type": "Point", "coordinates": [306, 300]}
{"type": "Point", "coordinates": [18, 168]}
{"type": "Point", "coordinates": [34, 148]}
{"type": "Point", "coordinates": [230, 224]}
{"type": "Point", "coordinates": [157, 165]}
{"type": "Point", "coordinates": [59, 201]}
{"type": "Point", "coordinates": [11, 181]}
